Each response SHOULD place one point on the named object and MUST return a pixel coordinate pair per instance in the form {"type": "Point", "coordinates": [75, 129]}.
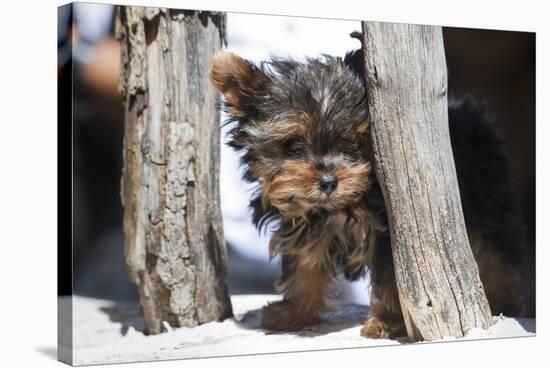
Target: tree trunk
{"type": "Point", "coordinates": [437, 277]}
{"type": "Point", "coordinates": [174, 245]}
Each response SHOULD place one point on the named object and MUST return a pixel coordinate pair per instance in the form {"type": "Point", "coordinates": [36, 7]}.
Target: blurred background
{"type": "Point", "coordinates": [497, 67]}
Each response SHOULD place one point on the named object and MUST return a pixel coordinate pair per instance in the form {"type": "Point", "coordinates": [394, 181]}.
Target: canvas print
{"type": "Point", "coordinates": [251, 183]}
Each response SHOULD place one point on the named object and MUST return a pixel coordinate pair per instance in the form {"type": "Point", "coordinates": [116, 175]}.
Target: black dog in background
{"type": "Point", "coordinates": [303, 130]}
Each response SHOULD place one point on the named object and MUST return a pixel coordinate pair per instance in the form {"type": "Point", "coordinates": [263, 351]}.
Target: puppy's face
{"type": "Point", "coordinates": [302, 128]}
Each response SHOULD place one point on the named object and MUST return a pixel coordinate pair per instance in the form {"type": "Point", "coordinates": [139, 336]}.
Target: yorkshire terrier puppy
{"type": "Point", "coordinates": [303, 131]}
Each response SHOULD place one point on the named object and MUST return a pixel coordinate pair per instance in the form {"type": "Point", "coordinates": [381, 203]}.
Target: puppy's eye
{"type": "Point", "coordinates": [351, 150]}
{"type": "Point", "coordinates": [293, 147]}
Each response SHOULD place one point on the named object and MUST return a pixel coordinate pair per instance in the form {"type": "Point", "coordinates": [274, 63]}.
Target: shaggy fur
{"type": "Point", "coordinates": [303, 131]}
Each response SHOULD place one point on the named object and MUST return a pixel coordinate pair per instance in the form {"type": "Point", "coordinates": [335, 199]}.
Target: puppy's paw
{"type": "Point", "coordinates": [377, 329]}
{"type": "Point", "coordinates": [283, 316]}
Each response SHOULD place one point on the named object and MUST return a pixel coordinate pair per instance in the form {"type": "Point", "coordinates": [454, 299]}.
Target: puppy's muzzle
{"type": "Point", "coordinates": [327, 183]}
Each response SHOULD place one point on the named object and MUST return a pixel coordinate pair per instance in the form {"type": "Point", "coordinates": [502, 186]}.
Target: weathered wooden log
{"type": "Point", "coordinates": [174, 245]}
{"type": "Point", "coordinates": [439, 286]}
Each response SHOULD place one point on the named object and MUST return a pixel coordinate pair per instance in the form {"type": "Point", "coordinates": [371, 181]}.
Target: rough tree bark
{"type": "Point", "coordinates": [437, 277]}
{"type": "Point", "coordinates": [174, 245]}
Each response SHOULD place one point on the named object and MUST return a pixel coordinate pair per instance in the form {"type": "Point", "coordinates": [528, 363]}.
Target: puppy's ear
{"type": "Point", "coordinates": [235, 77]}
{"type": "Point", "coordinates": [355, 59]}
{"type": "Point", "coordinates": [356, 63]}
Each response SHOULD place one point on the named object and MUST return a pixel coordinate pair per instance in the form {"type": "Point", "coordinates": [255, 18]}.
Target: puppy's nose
{"type": "Point", "coordinates": [328, 183]}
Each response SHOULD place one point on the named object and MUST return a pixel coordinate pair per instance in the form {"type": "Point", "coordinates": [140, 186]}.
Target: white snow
{"type": "Point", "coordinates": [108, 332]}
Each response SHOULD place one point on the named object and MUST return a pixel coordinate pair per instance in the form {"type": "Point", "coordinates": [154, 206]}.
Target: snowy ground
{"type": "Point", "coordinates": [106, 332]}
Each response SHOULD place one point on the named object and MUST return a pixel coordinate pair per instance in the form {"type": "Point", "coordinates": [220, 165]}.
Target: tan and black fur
{"type": "Point", "coordinates": [303, 131]}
